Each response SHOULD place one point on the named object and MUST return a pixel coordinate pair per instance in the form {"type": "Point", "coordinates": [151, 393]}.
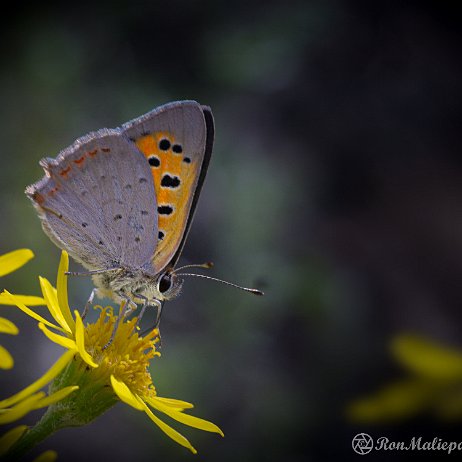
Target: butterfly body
{"type": "Point", "coordinates": [138, 284]}
{"type": "Point", "coordinates": [121, 201]}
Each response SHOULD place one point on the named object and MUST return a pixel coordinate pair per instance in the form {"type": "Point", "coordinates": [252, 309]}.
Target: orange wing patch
{"type": "Point", "coordinates": [175, 176]}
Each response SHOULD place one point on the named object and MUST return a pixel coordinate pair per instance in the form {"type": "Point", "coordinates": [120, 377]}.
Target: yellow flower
{"type": "Point", "coordinates": [433, 382]}
{"type": "Point", "coordinates": [10, 262]}
{"type": "Point", "coordinates": [104, 372]}
{"type": "Point", "coordinates": [47, 456]}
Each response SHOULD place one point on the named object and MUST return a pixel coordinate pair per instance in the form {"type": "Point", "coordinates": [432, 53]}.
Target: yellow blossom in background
{"type": "Point", "coordinates": [94, 373]}
{"type": "Point", "coordinates": [433, 382]}
{"type": "Point", "coordinates": [47, 456]}
{"type": "Point", "coordinates": [10, 262]}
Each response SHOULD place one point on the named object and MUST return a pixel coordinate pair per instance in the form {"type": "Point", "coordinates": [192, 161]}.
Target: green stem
{"type": "Point", "coordinates": [92, 399]}
{"type": "Point", "coordinates": [44, 428]}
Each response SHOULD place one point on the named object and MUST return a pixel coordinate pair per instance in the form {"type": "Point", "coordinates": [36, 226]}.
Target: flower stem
{"type": "Point", "coordinates": [44, 428]}
{"type": "Point", "coordinates": [92, 399]}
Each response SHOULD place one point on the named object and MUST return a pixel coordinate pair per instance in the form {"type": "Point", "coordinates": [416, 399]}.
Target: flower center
{"type": "Point", "coordinates": [128, 355]}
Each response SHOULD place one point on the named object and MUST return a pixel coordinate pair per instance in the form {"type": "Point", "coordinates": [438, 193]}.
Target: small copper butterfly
{"type": "Point", "coordinates": [121, 201]}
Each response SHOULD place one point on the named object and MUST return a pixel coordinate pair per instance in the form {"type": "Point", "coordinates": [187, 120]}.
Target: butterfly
{"type": "Point", "coordinates": [121, 201]}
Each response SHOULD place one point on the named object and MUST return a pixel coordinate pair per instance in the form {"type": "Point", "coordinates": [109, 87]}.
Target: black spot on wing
{"type": "Point", "coordinates": [154, 161]}
{"type": "Point", "coordinates": [164, 144]}
{"type": "Point", "coordinates": [165, 209]}
{"type": "Point", "coordinates": [170, 181]}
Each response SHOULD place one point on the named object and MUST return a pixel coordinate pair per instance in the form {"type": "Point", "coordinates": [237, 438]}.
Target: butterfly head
{"type": "Point", "coordinates": [164, 286]}
{"type": "Point", "coordinates": [168, 285]}
{"type": "Point", "coordinates": [139, 285]}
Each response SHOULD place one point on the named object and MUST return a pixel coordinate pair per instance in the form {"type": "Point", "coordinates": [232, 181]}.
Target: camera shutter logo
{"type": "Point", "coordinates": [362, 443]}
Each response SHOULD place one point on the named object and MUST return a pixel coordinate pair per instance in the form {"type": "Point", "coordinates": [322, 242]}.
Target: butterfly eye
{"type": "Point", "coordinates": [165, 283]}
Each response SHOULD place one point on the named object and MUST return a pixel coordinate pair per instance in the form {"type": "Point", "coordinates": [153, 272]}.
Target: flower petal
{"type": "Point", "coordinates": [80, 340]}
{"type": "Point", "coordinates": [175, 403]}
{"type": "Point", "coordinates": [11, 261]}
{"type": "Point", "coordinates": [28, 311]}
{"type": "Point", "coordinates": [125, 395]}
{"type": "Point", "coordinates": [26, 299]}
{"type": "Point", "coordinates": [10, 437]}
{"type": "Point", "coordinates": [185, 419]}
{"type": "Point", "coordinates": [21, 409]}
{"type": "Point", "coordinates": [61, 286]}
{"type": "Point", "coordinates": [65, 342]}
{"type": "Point", "coordinates": [54, 370]}
{"type": "Point", "coordinates": [6, 360]}
{"type": "Point", "coordinates": [55, 397]}
{"type": "Point", "coordinates": [169, 431]}
{"type": "Point", "coordinates": [427, 358]}
{"type": "Point", "coordinates": [396, 401]}
{"type": "Point", "coordinates": [51, 297]}
{"type": "Point", "coordinates": [7, 327]}
{"type": "Point", "coordinates": [47, 456]}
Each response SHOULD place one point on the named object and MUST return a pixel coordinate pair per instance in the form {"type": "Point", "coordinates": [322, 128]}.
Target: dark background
{"type": "Point", "coordinates": [335, 186]}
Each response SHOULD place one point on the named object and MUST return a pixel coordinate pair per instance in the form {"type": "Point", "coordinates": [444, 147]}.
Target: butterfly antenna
{"type": "Point", "coordinates": [246, 289]}
{"type": "Point", "coordinates": [205, 265]}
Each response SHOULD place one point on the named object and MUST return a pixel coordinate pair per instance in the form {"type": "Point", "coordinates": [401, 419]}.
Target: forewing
{"type": "Point", "coordinates": [97, 201]}
{"type": "Point", "coordinates": [173, 139]}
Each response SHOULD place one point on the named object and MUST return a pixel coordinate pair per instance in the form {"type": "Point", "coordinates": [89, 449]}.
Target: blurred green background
{"type": "Point", "coordinates": [335, 186]}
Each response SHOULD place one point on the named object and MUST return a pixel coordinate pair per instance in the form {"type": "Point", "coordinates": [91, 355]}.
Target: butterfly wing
{"type": "Point", "coordinates": [176, 140]}
{"type": "Point", "coordinates": [210, 127]}
{"type": "Point", "coordinates": [96, 202]}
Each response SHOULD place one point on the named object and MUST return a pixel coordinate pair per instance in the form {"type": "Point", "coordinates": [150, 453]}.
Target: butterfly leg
{"type": "Point", "coordinates": [143, 308]}
{"type": "Point", "coordinates": [146, 303]}
{"type": "Point", "coordinates": [159, 306]}
{"type": "Point", "coordinates": [126, 307]}
{"type": "Point", "coordinates": [89, 303]}
{"type": "Point", "coordinates": [90, 273]}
